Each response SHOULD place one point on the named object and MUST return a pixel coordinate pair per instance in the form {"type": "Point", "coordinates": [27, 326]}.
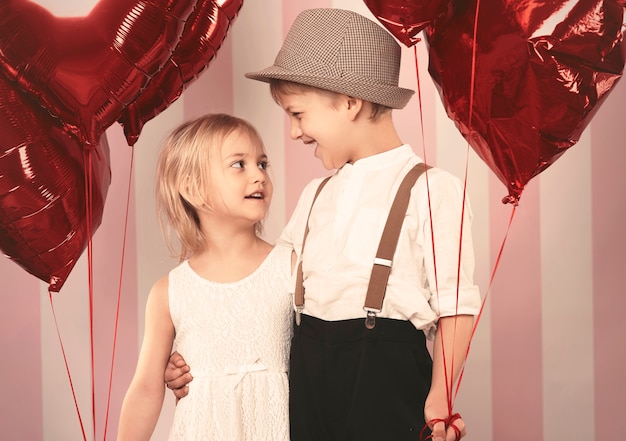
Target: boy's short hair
{"type": "Point", "coordinates": [279, 88]}
{"type": "Point", "coordinates": [341, 51]}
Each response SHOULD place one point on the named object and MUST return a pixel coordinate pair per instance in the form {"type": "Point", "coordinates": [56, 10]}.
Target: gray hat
{"type": "Point", "coordinates": [340, 51]}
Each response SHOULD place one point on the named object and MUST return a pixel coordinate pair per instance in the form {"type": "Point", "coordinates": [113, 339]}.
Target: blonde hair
{"type": "Point", "coordinates": [183, 163]}
{"type": "Point", "coordinates": [280, 88]}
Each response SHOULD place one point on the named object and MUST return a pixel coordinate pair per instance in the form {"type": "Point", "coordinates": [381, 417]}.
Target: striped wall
{"type": "Point", "coordinates": [547, 358]}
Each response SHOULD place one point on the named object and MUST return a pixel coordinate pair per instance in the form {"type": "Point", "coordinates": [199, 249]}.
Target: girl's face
{"type": "Point", "coordinates": [242, 189]}
{"type": "Point", "coordinates": [317, 120]}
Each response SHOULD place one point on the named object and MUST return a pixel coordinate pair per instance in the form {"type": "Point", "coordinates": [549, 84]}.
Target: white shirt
{"type": "Point", "coordinates": [345, 229]}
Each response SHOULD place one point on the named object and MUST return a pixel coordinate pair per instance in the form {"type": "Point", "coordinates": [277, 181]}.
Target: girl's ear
{"type": "Point", "coordinates": [189, 193]}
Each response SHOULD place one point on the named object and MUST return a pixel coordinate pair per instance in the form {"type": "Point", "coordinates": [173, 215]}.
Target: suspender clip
{"type": "Point", "coordinates": [370, 320]}
{"type": "Point", "coordinates": [299, 310]}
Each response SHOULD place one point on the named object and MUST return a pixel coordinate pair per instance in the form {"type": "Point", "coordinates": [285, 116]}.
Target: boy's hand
{"type": "Point", "coordinates": [452, 429]}
{"type": "Point", "coordinates": [177, 376]}
{"type": "Point", "coordinates": [443, 426]}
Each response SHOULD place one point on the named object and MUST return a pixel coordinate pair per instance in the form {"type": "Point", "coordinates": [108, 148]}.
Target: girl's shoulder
{"type": "Point", "coordinates": [161, 285]}
{"type": "Point", "coordinates": [159, 293]}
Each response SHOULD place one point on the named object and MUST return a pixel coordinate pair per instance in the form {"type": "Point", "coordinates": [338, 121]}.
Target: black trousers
{"type": "Point", "coordinates": [348, 382]}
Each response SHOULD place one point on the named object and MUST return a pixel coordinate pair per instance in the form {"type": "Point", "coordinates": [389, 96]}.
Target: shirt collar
{"type": "Point", "coordinates": [381, 160]}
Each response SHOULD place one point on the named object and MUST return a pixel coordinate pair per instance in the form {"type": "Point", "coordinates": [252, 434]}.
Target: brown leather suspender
{"type": "Point", "coordinates": [387, 247]}
{"type": "Point", "coordinates": [299, 291]}
{"type": "Point", "coordinates": [384, 256]}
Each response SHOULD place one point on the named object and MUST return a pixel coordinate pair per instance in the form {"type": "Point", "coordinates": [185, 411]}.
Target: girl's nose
{"type": "Point", "coordinates": [259, 176]}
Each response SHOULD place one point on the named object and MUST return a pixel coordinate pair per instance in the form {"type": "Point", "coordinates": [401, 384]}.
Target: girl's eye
{"type": "Point", "coordinates": [263, 165]}
{"type": "Point", "coordinates": [238, 164]}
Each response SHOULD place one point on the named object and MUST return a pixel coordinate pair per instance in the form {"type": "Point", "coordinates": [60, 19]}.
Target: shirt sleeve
{"type": "Point", "coordinates": [448, 246]}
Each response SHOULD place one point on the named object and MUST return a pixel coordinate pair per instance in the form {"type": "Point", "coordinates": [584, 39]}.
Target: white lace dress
{"type": "Point", "coordinates": [235, 337]}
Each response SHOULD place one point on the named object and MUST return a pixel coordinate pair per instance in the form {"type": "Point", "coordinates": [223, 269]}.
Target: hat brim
{"type": "Point", "coordinates": [387, 95]}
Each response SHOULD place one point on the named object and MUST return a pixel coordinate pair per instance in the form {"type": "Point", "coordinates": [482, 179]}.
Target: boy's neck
{"type": "Point", "coordinates": [374, 137]}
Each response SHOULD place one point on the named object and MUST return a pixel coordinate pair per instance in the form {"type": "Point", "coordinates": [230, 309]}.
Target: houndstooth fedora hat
{"type": "Point", "coordinates": [340, 51]}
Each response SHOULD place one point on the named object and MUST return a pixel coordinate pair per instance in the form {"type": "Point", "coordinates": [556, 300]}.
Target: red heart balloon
{"type": "Point", "coordinates": [541, 72]}
{"type": "Point", "coordinates": [201, 38]}
{"type": "Point", "coordinates": [86, 70]}
{"type": "Point", "coordinates": [406, 18]}
{"type": "Point", "coordinates": [44, 224]}
{"type": "Point", "coordinates": [63, 81]}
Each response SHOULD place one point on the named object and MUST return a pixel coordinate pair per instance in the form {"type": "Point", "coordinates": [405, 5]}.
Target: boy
{"type": "Point", "coordinates": [336, 76]}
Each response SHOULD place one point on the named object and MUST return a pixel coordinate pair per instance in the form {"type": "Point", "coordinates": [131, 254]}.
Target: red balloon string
{"type": "Point", "coordinates": [421, 112]}
{"type": "Point", "coordinates": [449, 422]}
{"type": "Point", "coordinates": [432, 238]}
{"type": "Point", "coordinates": [88, 170]}
{"type": "Point", "coordinates": [449, 379]}
{"type": "Point", "coordinates": [88, 159]}
{"type": "Point", "coordinates": [471, 101]}
{"type": "Point", "coordinates": [67, 367]}
{"type": "Point", "coordinates": [493, 275]}
{"type": "Point", "coordinates": [119, 290]}
{"type": "Point", "coordinates": [482, 307]}
{"type": "Point", "coordinates": [469, 125]}
{"type": "Point", "coordinates": [432, 235]}
{"type": "Point", "coordinates": [87, 164]}
{"type": "Point", "coordinates": [419, 100]}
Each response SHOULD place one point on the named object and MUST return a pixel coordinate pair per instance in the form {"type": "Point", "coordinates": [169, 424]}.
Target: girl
{"type": "Point", "coordinates": [226, 307]}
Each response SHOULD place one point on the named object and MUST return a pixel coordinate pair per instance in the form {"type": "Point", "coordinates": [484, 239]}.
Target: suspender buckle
{"type": "Point", "coordinates": [299, 310]}
{"type": "Point", "coordinates": [370, 319]}
{"type": "Point", "coordinates": [382, 262]}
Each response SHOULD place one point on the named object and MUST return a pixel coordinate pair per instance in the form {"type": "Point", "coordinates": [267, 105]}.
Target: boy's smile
{"type": "Point", "coordinates": [318, 121]}
{"type": "Point", "coordinates": [310, 142]}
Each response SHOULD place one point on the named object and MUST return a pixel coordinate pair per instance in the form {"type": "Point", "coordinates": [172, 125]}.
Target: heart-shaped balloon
{"type": "Point", "coordinates": [63, 81]}
{"type": "Point", "coordinates": [406, 18]}
{"type": "Point", "coordinates": [44, 217]}
{"type": "Point", "coordinates": [202, 36]}
{"type": "Point", "coordinates": [541, 72]}
{"type": "Point", "coordinates": [86, 70]}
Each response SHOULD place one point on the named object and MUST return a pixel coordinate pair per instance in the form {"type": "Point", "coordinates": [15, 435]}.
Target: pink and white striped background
{"type": "Point", "coordinates": [547, 359]}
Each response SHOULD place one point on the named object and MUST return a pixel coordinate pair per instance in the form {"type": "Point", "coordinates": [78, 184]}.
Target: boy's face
{"type": "Point", "coordinates": [320, 120]}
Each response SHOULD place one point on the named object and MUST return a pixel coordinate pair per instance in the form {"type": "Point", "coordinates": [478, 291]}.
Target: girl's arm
{"type": "Point", "coordinates": [144, 398]}
{"type": "Point", "coordinates": [452, 340]}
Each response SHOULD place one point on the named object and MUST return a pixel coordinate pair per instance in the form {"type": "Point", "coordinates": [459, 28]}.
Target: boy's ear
{"type": "Point", "coordinates": [354, 106]}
